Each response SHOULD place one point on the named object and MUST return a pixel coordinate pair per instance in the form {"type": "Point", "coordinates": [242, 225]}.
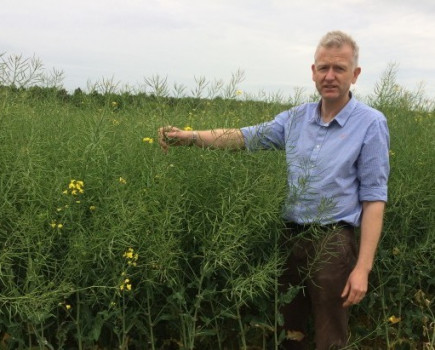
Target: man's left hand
{"type": "Point", "coordinates": [356, 287]}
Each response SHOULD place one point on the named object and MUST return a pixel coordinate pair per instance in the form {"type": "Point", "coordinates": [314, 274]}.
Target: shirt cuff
{"type": "Point", "coordinates": [373, 194]}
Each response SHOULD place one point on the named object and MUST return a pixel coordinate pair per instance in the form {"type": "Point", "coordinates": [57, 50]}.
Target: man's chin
{"type": "Point", "coordinates": [330, 95]}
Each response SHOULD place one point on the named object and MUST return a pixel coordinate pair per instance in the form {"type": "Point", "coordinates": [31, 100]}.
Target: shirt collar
{"type": "Point", "coordinates": [342, 117]}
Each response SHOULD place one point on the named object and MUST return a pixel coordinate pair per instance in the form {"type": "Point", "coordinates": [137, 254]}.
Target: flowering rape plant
{"type": "Point", "coordinates": [393, 319]}
{"type": "Point", "coordinates": [131, 256]}
{"type": "Point", "coordinates": [54, 224]}
{"type": "Point", "coordinates": [125, 285]}
{"type": "Point", "coordinates": [122, 181]}
{"type": "Point", "coordinates": [75, 187]}
{"type": "Point", "coordinates": [147, 140]}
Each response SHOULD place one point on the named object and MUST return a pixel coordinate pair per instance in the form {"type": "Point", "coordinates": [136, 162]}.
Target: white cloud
{"type": "Point", "coordinates": [273, 42]}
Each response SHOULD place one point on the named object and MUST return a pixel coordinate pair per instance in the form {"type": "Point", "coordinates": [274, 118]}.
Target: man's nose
{"type": "Point", "coordinates": [330, 75]}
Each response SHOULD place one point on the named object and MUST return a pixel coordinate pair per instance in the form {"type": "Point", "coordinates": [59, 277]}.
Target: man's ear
{"type": "Point", "coordinates": [356, 73]}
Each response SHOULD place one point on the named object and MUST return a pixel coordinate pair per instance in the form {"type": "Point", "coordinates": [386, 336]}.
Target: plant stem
{"type": "Point", "coordinates": [150, 321]}
{"type": "Point", "coordinates": [77, 321]}
{"type": "Point", "coordinates": [276, 295]}
{"type": "Point", "coordinates": [387, 339]}
{"type": "Point", "coordinates": [242, 330]}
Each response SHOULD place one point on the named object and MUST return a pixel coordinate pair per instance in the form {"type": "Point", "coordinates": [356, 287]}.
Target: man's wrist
{"type": "Point", "coordinates": [364, 267]}
{"type": "Point", "coordinates": [194, 137]}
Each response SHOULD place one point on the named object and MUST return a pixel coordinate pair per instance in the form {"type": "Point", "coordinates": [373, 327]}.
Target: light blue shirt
{"type": "Point", "coordinates": [332, 167]}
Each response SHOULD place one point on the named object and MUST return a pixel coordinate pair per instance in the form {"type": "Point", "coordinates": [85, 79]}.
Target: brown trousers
{"type": "Point", "coordinates": [320, 262]}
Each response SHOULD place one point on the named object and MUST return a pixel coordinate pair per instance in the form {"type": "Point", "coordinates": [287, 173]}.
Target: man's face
{"type": "Point", "coordinates": [334, 72]}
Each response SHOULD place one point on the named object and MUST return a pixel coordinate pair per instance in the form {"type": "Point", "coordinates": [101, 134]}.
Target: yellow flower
{"type": "Point", "coordinates": [122, 180]}
{"type": "Point", "coordinates": [147, 140]}
{"type": "Point", "coordinates": [92, 207]}
{"type": "Point", "coordinates": [64, 304]}
{"type": "Point", "coordinates": [76, 186]}
{"type": "Point", "coordinates": [128, 254]}
{"type": "Point", "coordinates": [53, 224]}
{"type": "Point", "coordinates": [114, 104]}
{"type": "Point", "coordinates": [131, 256]}
{"type": "Point", "coordinates": [239, 92]}
{"type": "Point", "coordinates": [125, 285]}
{"type": "Point", "coordinates": [393, 319]}
{"type": "Point", "coordinates": [187, 128]}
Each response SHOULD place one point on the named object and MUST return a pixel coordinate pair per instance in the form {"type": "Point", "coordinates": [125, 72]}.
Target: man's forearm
{"type": "Point", "coordinates": [215, 138]}
{"type": "Point", "coordinates": [371, 228]}
{"type": "Point", "coordinates": [219, 138]}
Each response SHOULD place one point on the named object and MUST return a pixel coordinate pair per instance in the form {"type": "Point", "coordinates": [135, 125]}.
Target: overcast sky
{"type": "Point", "coordinates": [272, 41]}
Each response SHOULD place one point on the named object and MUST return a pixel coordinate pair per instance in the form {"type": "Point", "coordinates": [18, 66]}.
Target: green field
{"type": "Point", "coordinates": [108, 243]}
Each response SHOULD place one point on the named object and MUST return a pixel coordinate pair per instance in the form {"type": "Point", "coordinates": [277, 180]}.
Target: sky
{"type": "Point", "coordinates": [272, 42]}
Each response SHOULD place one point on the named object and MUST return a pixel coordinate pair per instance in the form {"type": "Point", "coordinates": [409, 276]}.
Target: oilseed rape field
{"type": "Point", "coordinates": [109, 243]}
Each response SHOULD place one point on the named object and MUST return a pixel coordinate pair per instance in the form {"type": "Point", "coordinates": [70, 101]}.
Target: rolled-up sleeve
{"type": "Point", "coordinates": [373, 163]}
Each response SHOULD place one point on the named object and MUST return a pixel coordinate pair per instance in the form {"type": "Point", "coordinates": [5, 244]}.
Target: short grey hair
{"type": "Point", "coordinates": [337, 39]}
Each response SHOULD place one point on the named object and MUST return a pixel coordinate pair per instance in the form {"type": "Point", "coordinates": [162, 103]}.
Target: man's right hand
{"type": "Point", "coordinates": [172, 136]}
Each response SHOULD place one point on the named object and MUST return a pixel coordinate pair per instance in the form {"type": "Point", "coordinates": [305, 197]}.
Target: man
{"type": "Point", "coordinates": [337, 155]}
